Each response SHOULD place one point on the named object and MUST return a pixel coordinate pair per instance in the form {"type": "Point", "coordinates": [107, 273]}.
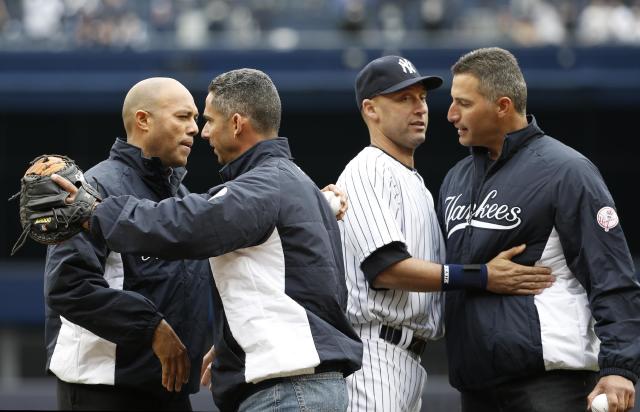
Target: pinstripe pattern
{"type": "Point", "coordinates": [391, 378]}
{"type": "Point", "coordinates": [388, 202]}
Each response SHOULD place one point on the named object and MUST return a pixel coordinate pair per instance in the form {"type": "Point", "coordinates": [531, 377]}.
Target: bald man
{"type": "Point", "coordinates": [127, 332]}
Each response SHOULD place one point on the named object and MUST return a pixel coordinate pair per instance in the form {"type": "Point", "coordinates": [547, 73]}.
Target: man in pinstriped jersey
{"type": "Point", "coordinates": [392, 244]}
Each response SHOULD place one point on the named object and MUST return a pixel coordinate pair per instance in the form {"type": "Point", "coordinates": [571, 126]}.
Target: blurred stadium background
{"type": "Point", "coordinates": [65, 66]}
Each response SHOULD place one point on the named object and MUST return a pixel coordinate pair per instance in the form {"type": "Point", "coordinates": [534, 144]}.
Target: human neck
{"type": "Point", "coordinates": [138, 141]}
{"type": "Point", "coordinates": [401, 154]}
{"type": "Point", "coordinates": [511, 125]}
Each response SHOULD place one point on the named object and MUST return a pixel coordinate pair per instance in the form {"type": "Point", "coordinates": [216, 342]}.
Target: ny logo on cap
{"type": "Point", "coordinates": [406, 65]}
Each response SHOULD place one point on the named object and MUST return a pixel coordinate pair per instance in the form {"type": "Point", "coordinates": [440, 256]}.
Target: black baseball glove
{"type": "Point", "coordinates": [44, 214]}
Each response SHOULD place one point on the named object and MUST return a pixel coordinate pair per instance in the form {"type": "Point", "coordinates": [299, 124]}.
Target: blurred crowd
{"type": "Point", "coordinates": [144, 24]}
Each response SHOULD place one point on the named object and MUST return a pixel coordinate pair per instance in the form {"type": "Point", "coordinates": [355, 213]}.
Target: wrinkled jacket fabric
{"type": "Point", "coordinates": [103, 306]}
{"type": "Point", "coordinates": [275, 252]}
{"type": "Point", "coordinates": [542, 193]}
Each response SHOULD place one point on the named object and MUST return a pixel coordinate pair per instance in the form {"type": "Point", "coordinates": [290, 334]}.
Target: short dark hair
{"type": "Point", "coordinates": [251, 93]}
{"type": "Point", "coordinates": [498, 73]}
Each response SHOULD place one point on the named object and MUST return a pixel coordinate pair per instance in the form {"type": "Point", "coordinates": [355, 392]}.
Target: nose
{"type": "Point", "coordinates": [453, 115]}
{"type": "Point", "coordinates": [422, 107]}
{"type": "Point", "coordinates": [193, 128]}
{"type": "Point", "coordinates": [205, 132]}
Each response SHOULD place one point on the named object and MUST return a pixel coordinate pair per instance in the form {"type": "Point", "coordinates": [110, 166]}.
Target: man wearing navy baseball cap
{"type": "Point", "coordinates": [393, 245]}
{"type": "Point", "coordinates": [389, 74]}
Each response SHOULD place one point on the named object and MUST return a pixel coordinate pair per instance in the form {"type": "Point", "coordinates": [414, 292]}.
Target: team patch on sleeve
{"type": "Point", "coordinates": [607, 218]}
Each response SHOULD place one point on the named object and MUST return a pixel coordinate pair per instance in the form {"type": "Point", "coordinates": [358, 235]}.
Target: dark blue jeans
{"type": "Point", "coordinates": [321, 392]}
{"type": "Point", "coordinates": [553, 391]}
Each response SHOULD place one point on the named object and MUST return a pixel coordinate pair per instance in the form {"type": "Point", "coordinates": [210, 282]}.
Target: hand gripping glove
{"type": "Point", "coordinates": [44, 214]}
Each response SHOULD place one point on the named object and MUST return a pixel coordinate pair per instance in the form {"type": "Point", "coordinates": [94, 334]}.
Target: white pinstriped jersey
{"type": "Point", "coordinates": [389, 202]}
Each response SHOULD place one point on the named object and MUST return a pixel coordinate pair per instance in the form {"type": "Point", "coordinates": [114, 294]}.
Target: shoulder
{"type": "Point", "coordinates": [107, 170]}
{"type": "Point", "coordinates": [265, 177]}
{"type": "Point", "coordinates": [370, 162]}
{"type": "Point", "coordinates": [570, 174]}
{"type": "Point", "coordinates": [371, 156]}
{"type": "Point", "coordinates": [460, 167]}
{"type": "Point", "coordinates": [552, 150]}
{"type": "Point", "coordinates": [111, 177]}
{"type": "Point", "coordinates": [560, 157]}
{"type": "Point", "coordinates": [463, 163]}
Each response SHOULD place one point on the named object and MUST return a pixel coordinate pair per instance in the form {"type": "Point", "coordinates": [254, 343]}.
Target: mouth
{"type": "Point", "coordinates": [418, 124]}
{"type": "Point", "coordinates": [187, 144]}
{"type": "Point", "coordinates": [462, 131]}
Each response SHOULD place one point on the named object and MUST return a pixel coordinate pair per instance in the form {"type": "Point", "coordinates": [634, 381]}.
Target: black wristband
{"type": "Point", "coordinates": [456, 277]}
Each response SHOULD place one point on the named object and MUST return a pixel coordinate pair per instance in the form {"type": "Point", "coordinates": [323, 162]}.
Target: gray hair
{"type": "Point", "coordinates": [498, 74]}
{"type": "Point", "coordinates": [250, 93]}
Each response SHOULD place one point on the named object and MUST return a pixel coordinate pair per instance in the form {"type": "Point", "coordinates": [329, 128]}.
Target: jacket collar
{"type": "Point", "coordinates": [514, 141]}
{"type": "Point", "coordinates": [276, 147]}
{"type": "Point", "coordinates": [162, 180]}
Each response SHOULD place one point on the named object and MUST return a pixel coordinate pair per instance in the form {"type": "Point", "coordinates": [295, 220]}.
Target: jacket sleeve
{"type": "Point", "coordinates": [597, 253]}
{"type": "Point", "coordinates": [235, 215]}
{"type": "Point", "coordinates": [76, 288]}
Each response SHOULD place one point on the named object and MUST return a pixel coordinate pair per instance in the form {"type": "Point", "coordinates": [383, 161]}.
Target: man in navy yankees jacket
{"type": "Point", "coordinates": [120, 326]}
{"type": "Point", "coordinates": [281, 336]}
{"type": "Point", "coordinates": [581, 337]}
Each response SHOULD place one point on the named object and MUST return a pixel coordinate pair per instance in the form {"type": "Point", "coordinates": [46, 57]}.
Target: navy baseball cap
{"type": "Point", "coordinates": [389, 74]}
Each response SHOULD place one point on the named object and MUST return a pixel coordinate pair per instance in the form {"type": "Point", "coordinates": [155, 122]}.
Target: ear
{"type": "Point", "coordinates": [505, 106]}
{"type": "Point", "coordinates": [238, 123]}
{"type": "Point", "coordinates": [369, 110]}
{"type": "Point", "coordinates": [143, 120]}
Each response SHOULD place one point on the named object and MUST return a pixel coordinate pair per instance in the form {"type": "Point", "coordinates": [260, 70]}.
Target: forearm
{"type": "Point", "coordinates": [424, 276]}
{"type": "Point", "coordinates": [172, 229]}
{"type": "Point", "coordinates": [196, 226]}
{"type": "Point", "coordinates": [617, 326]}
{"type": "Point", "coordinates": [412, 275]}
{"type": "Point", "coordinates": [76, 289]}
{"type": "Point", "coordinates": [119, 316]}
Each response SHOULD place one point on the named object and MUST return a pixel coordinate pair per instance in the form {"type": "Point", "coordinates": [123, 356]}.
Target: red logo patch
{"type": "Point", "coordinates": [607, 218]}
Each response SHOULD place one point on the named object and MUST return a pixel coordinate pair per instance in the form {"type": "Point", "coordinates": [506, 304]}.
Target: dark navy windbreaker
{"type": "Point", "coordinates": [275, 252]}
{"type": "Point", "coordinates": [547, 195]}
{"type": "Point", "coordinates": [103, 306]}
